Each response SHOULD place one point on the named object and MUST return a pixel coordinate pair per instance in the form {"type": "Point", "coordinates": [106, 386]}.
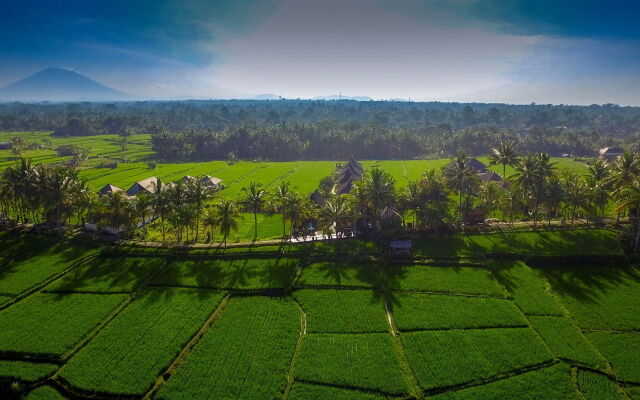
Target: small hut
{"type": "Point", "coordinates": [109, 189]}
{"type": "Point", "coordinates": [610, 153]}
{"type": "Point", "coordinates": [146, 186]}
{"type": "Point", "coordinates": [5, 145]}
{"type": "Point", "coordinates": [400, 248]}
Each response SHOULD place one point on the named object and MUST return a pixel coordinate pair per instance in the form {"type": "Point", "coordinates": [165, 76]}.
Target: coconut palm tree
{"type": "Point", "coordinates": [277, 203]}
{"type": "Point", "coordinates": [577, 194]}
{"type": "Point", "coordinates": [458, 174]}
{"type": "Point", "coordinates": [143, 205]}
{"type": "Point", "coordinates": [225, 216]}
{"type": "Point", "coordinates": [253, 200]}
{"type": "Point", "coordinates": [209, 220]}
{"type": "Point", "coordinates": [629, 199]}
{"type": "Point", "coordinates": [625, 173]}
{"type": "Point", "coordinates": [118, 211]}
{"type": "Point", "coordinates": [197, 194]}
{"type": "Point", "coordinates": [59, 190]}
{"type": "Point", "coordinates": [554, 196]}
{"type": "Point", "coordinates": [532, 173]}
{"type": "Point", "coordinates": [505, 153]}
{"type": "Point", "coordinates": [377, 186]}
{"type": "Point", "coordinates": [161, 204]}
{"type": "Point", "coordinates": [335, 210]}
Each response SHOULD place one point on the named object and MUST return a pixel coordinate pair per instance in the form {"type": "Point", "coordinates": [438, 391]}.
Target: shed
{"type": "Point", "coordinates": [400, 248]}
{"type": "Point", "coordinates": [212, 182]}
{"type": "Point", "coordinates": [5, 145]}
{"type": "Point", "coordinates": [610, 153]}
{"type": "Point", "coordinates": [109, 189]}
{"type": "Point", "coordinates": [147, 186]}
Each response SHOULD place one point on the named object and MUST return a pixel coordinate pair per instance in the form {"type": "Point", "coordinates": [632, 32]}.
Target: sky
{"type": "Point", "coordinates": [507, 51]}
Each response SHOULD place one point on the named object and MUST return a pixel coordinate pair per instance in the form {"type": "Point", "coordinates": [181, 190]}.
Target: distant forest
{"type": "Point", "coordinates": [334, 130]}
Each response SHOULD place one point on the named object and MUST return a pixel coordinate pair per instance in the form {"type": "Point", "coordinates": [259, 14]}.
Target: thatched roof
{"type": "Point", "coordinates": [147, 185]}
{"type": "Point", "coordinates": [611, 151]}
{"type": "Point", "coordinates": [211, 180]}
{"type": "Point", "coordinates": [489, 176]}
{"type": "Point", "coordinates": [347, 174]}
{"type": "Point", "coordinates": [109, 189]}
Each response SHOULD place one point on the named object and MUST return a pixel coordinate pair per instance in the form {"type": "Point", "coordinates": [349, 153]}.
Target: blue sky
{"type": "Point", "coordinates": [576, 52]}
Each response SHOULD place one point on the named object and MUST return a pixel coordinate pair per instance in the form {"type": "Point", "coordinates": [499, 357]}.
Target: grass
{"type": "Point", "coordinates": [365, 361]}
{"type": "Point", "coordinates": [447, 358]}
{"type": "Point", "coordinates": [579, 242]}
{"type": "Point", "coordinates": [623, 352]}
{"type": "Point", "coordinates": [567, 342]}
{"type": "Point", "coordinates": [600, 296]}
{"type": "Point", "coordinates": [596, 386]}
{"type": "Point", "coordinates": [343, 311]}
{"type": "Point", "coordinates": [241, 273]}
{"type": "Point", "coordinates": [25, 371]}
{"type": "Point", "coordinates": [529, 289]}
{"type": "Point", "coordinates": [422, 311]}
{"type": "Point", "coordinates": [52, 324]}
{"type": "Point", "coordinates": [552, 383]}
{"type": "Point", "coordinates": [245, 355]}
{"type": "Point", "coordinates": [45, 393]}
{"type": "Point", "coordinates": [348, 274]}
{"type": "Point", "coordinates": [449, 279]}
{"type": "Point", "coordinates": [305, 391]}
{"type": "Point", "coordinates": [34, 260]}
{"type": "Point", "coordinates": [107, 275]}
{"type": "Point", "coordinates": [127, 356]}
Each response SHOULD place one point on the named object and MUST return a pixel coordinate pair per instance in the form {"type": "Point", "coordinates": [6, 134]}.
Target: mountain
{"type": "Point", "coordinates": [266, 96]}
{"type": "Point", "coordinates": [340, 97]}
{"type": "Point", "coordinates": [57, 84]}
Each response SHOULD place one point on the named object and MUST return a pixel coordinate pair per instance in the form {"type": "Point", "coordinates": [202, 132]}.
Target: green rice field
{"type": "Point", "coordinates": [98, 323]}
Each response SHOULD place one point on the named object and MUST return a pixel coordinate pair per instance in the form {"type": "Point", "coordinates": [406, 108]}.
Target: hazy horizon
{"type": "Point", "coordinates": [567, 52]}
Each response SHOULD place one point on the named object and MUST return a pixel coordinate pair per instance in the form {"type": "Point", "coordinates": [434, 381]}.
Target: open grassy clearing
{"type": "Point", "coordinates": [448, 279]}
{"type": "Point", "coordinates": [52, 324]}
{"type": "Point", "coordinates": [107, 275]}
{"type": "Point", "coordinates": [567, 342]}
{"type": "Point", "coordinates": [305, 391]}
{"type": "Point", "coordinates": [596, 386]}
{"type": "Point", "coordinates": [552, 383]}
{"type": "Point", "coordinates": [453, 357]}
{"type": "Point", "coordinates": [45, 393]}
{"type": "Point", "coordinates": [134, 348]}
{"type": "Point", "coordinates": [34, 260]}
{"type": "Point", "coordinates": [529, 289]}
{"type": "Point", "coordinates": [422, 311]}
{"type": "Point", "coordinates": [25, 371]}
{"type": "Point", "coordinates": [599, 296]}
{"type": "Point", "coordinates": [240, 273]}
{"type": "Point", "coordinates": [365, 361]}
{"type": "Point", "coordinates": [343, 311]}
{"type": "Point", "coordinates": [245, 355]}
{"type": "Point", "coordinates": [623, 352]}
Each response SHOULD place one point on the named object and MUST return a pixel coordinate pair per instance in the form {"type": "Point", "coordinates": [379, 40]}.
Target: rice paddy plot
{"type": "Point", "coordinates": [240, 273]}
{"type": "Point", "coordinates": [52, 324]}
{"type": "Point", "coordinates": [366, 361]}
{"type": "Point", "coordinates": [34, 262]}
{"type": "Point", "coordinates": [448, 279]}
{"type": "Point", "coordinates": [245, 355]}
{"type": "Point", "coordinates": [305, 391]}
{"type": "Point", "coordinates": [599, 297]}
{"type": "Point", "coordinates": [529, 289]}
{"type": "Point", "coordinates": [266, 175]}
{"type": "Point", "coordinates": [348, 274]}
{"type": "Point", "coordinates": [107, 275]}
{"type": "Point", "coordinates": [623, 352]}
{"type": "Point", "coordinates": [129, 354]}
{"type": "Point", "coordinates": [596, 386]}
{"type": "Point", "coordinates": [567, 342]}
{"type": "Point", "coordinates": [343, 311]}
{"type": "Point", "coordinates": [423, 311]}
{"type": "Point", "coordinates": [45, 393]}
{"type": "Point", "coordinates": [25, 371]}
{"type": "Point", "coordinates": [453, 357]}
{"type": "Point", "coordinates": [552, 383]}
{"type": "Point", "coordinates": [308, 174]}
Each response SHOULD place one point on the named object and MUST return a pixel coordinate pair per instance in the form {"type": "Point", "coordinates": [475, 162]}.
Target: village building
{"type": "Point", "coordinates": [210, 182]}
{"type": "Point", "coordinates": [5, 145]}
{"type": "Point", "coordinates": [318, 199]}
{"type": "Point", "coordinates": [346, 175]}
{"type": "Point", "coordinates": [400, 248]}
{"type": "Point", "coordinates": [610, 153]}
{"type": "Point", "coordinates": [146, 186]}
{"type": "Point", "coordinates": [109, 189]}
{"type": "Point", "coordinates": [477, 166]}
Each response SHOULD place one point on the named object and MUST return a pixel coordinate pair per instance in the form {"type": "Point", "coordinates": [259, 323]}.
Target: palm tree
{"type": "Point", "coordinates": [209, 220]}
{"type": "Point", "coordinates": [161, 204]}
{"type": "Point", "coordinates": [254, 200]}
{"type": "Point", "coordinates": [59, 188]}
{"type": "Point", "coordinates": [505, 153]}
{"type": "Point", "coordinates": [458, 174]}
{"type": "Point", "coordinates": [197, 193]}
{"type": "Point", "coordinates": [297, 209]}
{"type": "Point", "coordinates": [532, 173]}
{"type": "Point", "coordinates": [143, 206]}
{"type": "Point", "coordinates": [335, 210]}
{"type": "Point", "coordinates": [629, 199]}
{"type": "Point", "coordinates": [625, 173]}
{"type": "Point", "coordinates": [225, 216]}
{"type": "Point", "coordinates": [577, 195]}
{"type": "Point", "coordinates": [553, 197]}
{"type": "Point", "coordinates": [278, 202]}
{"type": "Point", "coordinates": [119, 210]}
{"type": "Point", "coordinates": [377, 187]}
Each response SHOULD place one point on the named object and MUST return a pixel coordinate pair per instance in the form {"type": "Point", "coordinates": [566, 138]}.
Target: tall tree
{"type": "Point", "coordinates": [505, 153]}
{"type": "Point", "coordinates": [253, 200]}
{"type": "Point", "coordinates": [459, 175]}
{"type": "Point", "coordinates": [225, 217]}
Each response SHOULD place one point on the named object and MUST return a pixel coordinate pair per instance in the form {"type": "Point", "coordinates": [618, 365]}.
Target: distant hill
{"type": "Point", "coordinates": [266, 96]}
{"type": "Point", "coordinates": [339, 97]}
{"type": "Point", "coordinates": [57, 84]}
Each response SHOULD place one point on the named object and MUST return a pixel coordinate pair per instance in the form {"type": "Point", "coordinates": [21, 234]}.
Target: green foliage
{"type": "Point", "coordinates": [245, 355]}
{"type": "Point", "coordinates": [107, 275]}
{"type": "Point", "coordinates": [566, 341]}
{"type": "Point", "coordinates": [348, 274]}
{"type": "Point", "coordinates": [366, 361]}
{"type": "Point", "coordinates": [343, 311]}
{"type": "Point", "coordinates": [305, 391]}
{"type": "Point", "coordinates": [452, 357]}
{"type": "Point", "coordinates": [52, 323]}
{"type": "Point", "coordinates": [623, 352]}
{"type": "Point", "coordinates": [35, 260]}
{"type": "Point", "coordinates": [25, 371]}
{"type": "Point", "coordinates": [241, 273]}
{"type": "Point", "coordinates": [424, 311]}
{"type": "Point", "coordinates": [129, 354]}
{"type": "Point", "coordinates": [528, 287]}
{"type": "Point", "coordinates": [552, 383]}
{"type": "Point", "coordinates": [599, 296]}
{"type": "Point", "coordinates": [596, 386]}
{"type": "Point", "coordinates": [45, 393]}
{"type": "Point", "coordinates": [449, 279]}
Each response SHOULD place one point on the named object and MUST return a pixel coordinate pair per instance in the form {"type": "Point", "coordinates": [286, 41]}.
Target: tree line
{"type": "Point", "coordinates": [439, 200]}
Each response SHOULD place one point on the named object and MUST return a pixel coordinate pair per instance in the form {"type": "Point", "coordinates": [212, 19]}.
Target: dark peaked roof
{"type": "Point", "coordinates": [477, 166]}
{"type": "Point", "coordinates": [347, 174]}
{"type": "Point", "coordinates": [109, 189]}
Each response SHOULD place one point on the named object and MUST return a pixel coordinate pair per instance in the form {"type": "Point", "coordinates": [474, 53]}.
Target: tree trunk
{"type": "Point", "coordinates": [255, 225]}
